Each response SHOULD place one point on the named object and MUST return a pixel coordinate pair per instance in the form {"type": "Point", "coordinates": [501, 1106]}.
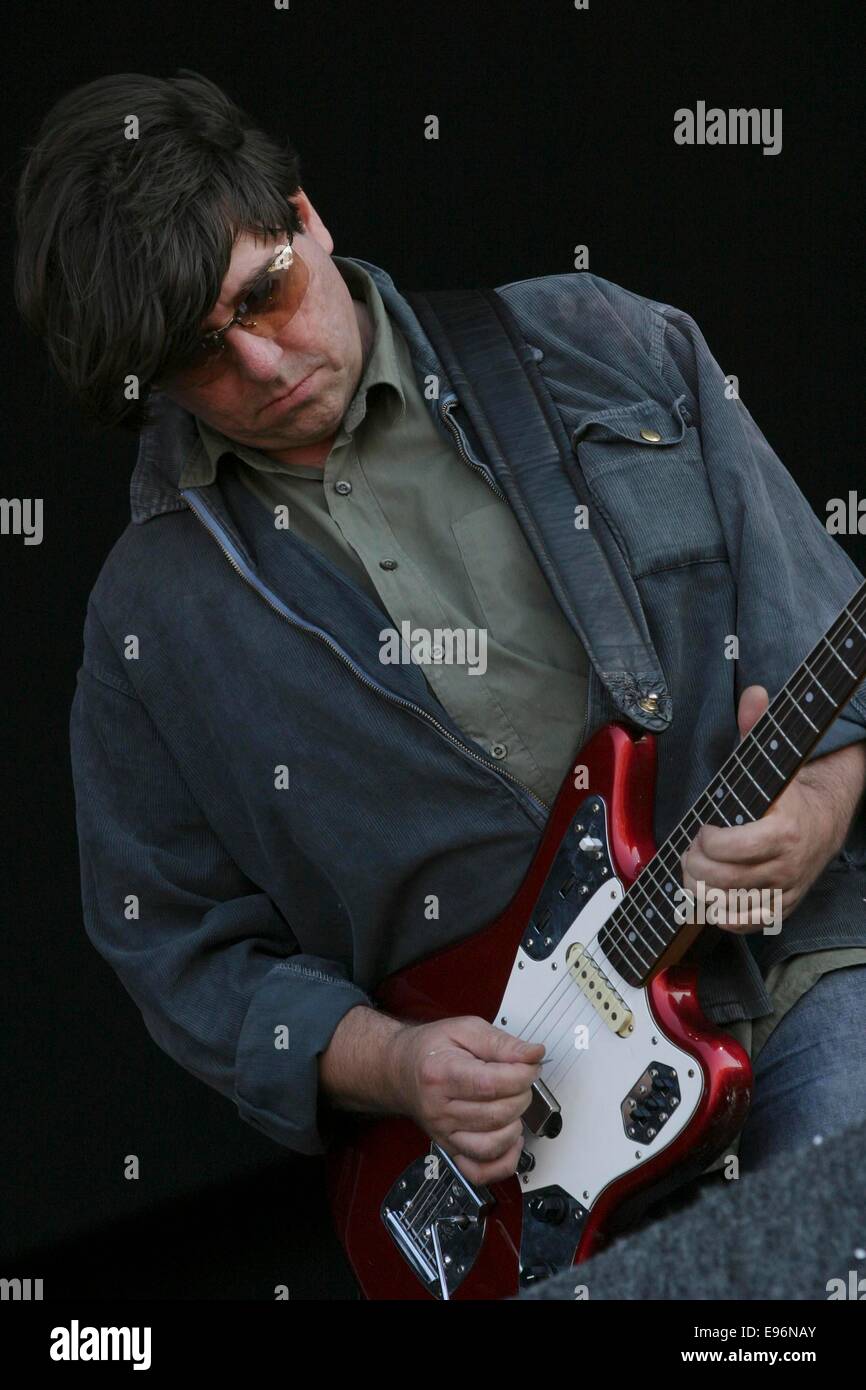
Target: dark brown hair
{"type": "Point", "coordinates": [123, 244]}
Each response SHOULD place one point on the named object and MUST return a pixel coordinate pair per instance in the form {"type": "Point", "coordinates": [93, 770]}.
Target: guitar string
{"type": "Point", "coordinates": [558, 1052]}
{"type": "Point", "coordinates": [809, 675]}
{"type": "Point", "coordinates": [736, 782]}
{"type": "Point", "coordinates": [787, 694]}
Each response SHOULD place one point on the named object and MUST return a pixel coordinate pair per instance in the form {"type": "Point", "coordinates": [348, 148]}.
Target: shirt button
{"type": "Point", "coordinates": [387, 564]}
{"type": "Point", "coordinates": [343, 488]}
{"type": "Point", "coordinates": [499, 750]}
{"type": "Point", "coordinates": [651, 436]}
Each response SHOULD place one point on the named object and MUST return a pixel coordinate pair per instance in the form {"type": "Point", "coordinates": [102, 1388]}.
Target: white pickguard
{"type": "Point", "coordinates": [592, 1148]}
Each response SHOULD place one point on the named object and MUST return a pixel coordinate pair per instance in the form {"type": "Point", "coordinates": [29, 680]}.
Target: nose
{"type": "Point", "coordinates": [255, 357]}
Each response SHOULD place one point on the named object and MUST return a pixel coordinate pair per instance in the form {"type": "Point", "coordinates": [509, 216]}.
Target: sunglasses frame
{"type": "Point", "coordinates": [212, 344]}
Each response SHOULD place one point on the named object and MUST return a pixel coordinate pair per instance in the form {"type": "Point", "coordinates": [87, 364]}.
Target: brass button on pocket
{"type": "Point", "coordinates": [657, 500]}
{"type": "Point", "coordinates": [651, 436]}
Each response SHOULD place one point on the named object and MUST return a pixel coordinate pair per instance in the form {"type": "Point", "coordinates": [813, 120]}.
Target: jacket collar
{"type": "Point", "coordinates": [168, 441]}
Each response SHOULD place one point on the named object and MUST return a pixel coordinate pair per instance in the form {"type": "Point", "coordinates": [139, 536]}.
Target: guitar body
{"type": "Point", "coordinates": [640, 1092]}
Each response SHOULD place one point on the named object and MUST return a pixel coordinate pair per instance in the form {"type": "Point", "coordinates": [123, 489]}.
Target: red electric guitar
{"type": "Point", "coordinates": [638, 1092]}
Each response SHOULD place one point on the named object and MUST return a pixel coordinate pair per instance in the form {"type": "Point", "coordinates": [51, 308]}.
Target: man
{"type": "Point", "coordinates": [271, 816]}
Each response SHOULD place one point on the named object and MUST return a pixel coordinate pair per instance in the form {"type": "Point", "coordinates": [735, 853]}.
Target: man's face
{"type": "Point", "coordinates": [321, 341]}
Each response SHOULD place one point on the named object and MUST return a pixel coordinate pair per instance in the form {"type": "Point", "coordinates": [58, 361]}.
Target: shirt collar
{"type": "Point", "coordinates": [381, 368]}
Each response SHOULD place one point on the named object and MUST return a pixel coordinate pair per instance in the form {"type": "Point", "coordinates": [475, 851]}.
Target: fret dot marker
{"type": "Point", "coordinates": [810, 696]}
{"type": "Point", "coordinates": [774, 743]}
{"type": "Point", "coordinates": [739, 820]}
{"type": "Point", "coordinates": [669, 887]}
{"type": "Point", "coordinates": [848, 642]}
{"type": "Point", "coordinates": [719, 793]}
{"type": "Point", "coordinates": [632, 936]}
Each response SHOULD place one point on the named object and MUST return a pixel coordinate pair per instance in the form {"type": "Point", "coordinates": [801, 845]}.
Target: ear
{"type": "Point", "coordinates": [311, 222]}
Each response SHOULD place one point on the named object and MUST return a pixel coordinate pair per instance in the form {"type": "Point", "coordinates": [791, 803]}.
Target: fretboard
{"type": "Point", "coordinates": [643, 926]}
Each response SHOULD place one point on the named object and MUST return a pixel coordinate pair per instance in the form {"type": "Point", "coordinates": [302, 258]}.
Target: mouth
{"type": "Point", "coordinates": [288, 396]}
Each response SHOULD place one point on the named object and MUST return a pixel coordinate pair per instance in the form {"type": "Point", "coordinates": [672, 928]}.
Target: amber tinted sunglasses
{"type": "Point", "coordinates": [266, 308]}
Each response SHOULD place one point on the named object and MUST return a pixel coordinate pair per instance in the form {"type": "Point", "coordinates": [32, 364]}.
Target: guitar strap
{"type": "Point", "coordinates": [516, 427]}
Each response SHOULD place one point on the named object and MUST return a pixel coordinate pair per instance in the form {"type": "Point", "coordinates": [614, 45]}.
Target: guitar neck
{"type": "Point", "coordinates": [643, 928]}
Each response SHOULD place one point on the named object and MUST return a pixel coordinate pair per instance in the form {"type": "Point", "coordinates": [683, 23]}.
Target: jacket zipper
{"type": "Point", "coordinates": [380, 690]}
{"type": "Point", "coordinates": [445, 411]}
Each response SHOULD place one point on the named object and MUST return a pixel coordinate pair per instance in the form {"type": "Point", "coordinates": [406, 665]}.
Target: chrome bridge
{"type": "Point", "coordinates": [436, 1218]}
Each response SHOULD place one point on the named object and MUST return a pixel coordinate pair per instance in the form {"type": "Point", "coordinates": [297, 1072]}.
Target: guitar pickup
{"type": "Point", "coordinates": [606, 1001]}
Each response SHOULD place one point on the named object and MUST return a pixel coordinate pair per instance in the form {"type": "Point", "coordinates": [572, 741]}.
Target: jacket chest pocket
{"type": "Point", "coordinates": [655, 497]}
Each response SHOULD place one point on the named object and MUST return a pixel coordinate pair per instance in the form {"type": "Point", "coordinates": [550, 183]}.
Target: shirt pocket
{"type": "Point", "coordinates": [518, 608]}
{"type": "Point", "coordinates": [654, 496]}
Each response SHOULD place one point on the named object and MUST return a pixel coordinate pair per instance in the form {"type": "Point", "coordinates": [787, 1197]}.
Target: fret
{"type": "Point", "coordinates": [649, 898]}
{"type": "Point", "coordinates": [623, 938]}
{"type": "Point", "coordinates": [813, 698]}
{"type": "Point", "coordinates": [652, 946]}
{"type": "Point", "coordinates": [763, 750]}
{"type": "Point", "coordinates": [768, 714]}
{"type": "Point", "coordinates": [838, 657]}
{"type": "Point", "coordinates": [751, 779]}
{"type": "Point", "coordinates": [818, 683]}
{"type": "Point", "coordinates": [736, 798]}
{"type": "Point", "coordinates": [717, 810]}
{"type": "Point", "coordinates": [631, 934]}
{"type": "Point", "coordinates": [660, 897]}
{"type": "Point", "coordinates": [643, 925]}
{"type": "Point", "coordinates": [805, 715]}
{"type": "Point", "coordinates": [625, 945]}
{"type": "Point", "coordinates": [737, 816]}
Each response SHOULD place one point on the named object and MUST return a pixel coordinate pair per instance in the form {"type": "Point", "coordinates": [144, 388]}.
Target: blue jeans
{"type": "Point", "coordinates": [810, 1075]}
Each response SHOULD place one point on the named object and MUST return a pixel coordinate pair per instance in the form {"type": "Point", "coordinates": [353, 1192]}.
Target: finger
{"type": "Point", "coordinates": [774, 834]}
{"type": "Point", "coordinates": [493, 1115]}
{"type": "Point", "coordinates": [491, 1044]}
{"type": "Point", "coordinates": [486, 1148]}
{"type": "Point", "coordinates": [465, 1078]}
{"type": "Point", "coordinates": [498, 1171]}
{"type": "Point", "coordinates": [731, 878]}
{"type": "Point", "coordinates": [767, 919]}
{"type": "Point", "coordinates": [738, 914]}
{"type": "Point", "coordinates": [753, 701]}
{"type": "Point", "coordinates": [757, 842]}
{"type": "Point", "coordinates": [720, 908]}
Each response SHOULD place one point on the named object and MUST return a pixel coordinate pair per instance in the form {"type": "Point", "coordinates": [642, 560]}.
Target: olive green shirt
{"type": "Point", "coordinates": [398, 510]}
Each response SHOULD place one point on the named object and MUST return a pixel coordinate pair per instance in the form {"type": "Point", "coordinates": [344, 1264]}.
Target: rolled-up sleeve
{"type": "Point", "coordinates": [793, 578]}
{"type": "Point", "coordinates": [211, 963]}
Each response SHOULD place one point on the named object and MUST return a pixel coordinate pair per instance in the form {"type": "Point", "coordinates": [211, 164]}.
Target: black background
{"type": "Point", "coordinates": [556, 129]}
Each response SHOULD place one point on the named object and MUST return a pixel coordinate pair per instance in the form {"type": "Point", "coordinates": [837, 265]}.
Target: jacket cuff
{"type": "Point", "coordinates": [291, 1020]}
{"type": "Point", "coordinates": [848, 728]}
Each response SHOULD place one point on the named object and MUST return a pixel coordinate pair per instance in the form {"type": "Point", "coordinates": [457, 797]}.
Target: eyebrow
{"type": "Point", "coordinates": [247, 285]}
{"type": "Point", "coordinates": [253, 277]}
